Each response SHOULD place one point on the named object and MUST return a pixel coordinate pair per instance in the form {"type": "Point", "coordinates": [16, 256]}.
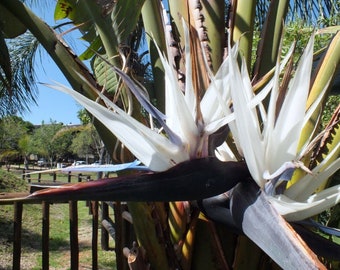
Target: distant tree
{"type": "Point", "coordinates": [86, 142]}
{"type": "Point", "coordinates": [24, 147]}
{"type": "Point", "coordinates": [12, 130]}
{"type": "Point", "coordinates": [44, 142]}
{"type": "Point", "coordinates": [63, 140]}
{"type": "Point", "coordinates": [84, 116]}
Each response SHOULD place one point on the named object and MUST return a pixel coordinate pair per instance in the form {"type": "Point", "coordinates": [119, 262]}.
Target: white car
{"type": "Point", "coordinates": [41, 162]}
{"type": "Point", "coordinates": [79, 162]}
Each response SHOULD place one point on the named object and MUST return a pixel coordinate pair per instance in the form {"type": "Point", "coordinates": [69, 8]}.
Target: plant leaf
{"type": "Point", "coordinates": [104, 74]}
{"type": "Point", "coordinates": [260, 221]}
{"type": "Point", "coordinates": [10, 26]}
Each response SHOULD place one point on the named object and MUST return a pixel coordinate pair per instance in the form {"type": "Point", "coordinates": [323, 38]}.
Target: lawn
{"type": "Point", "coordinates": [59, 233]}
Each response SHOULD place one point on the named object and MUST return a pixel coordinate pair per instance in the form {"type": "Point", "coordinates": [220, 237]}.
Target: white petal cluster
{"type": "Point", "coordinates": [268, 141]}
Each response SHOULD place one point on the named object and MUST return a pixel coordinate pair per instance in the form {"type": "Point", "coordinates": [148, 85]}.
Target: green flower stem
{"type": "Point", "coordinates": [270, 38]}
{"type": "Point", "coordinates": [244, 28]}
{"type": "Point", "coordinates": [154, 28]}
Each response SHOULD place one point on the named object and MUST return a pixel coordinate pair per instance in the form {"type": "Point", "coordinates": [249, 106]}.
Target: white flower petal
{"type": "Point", "coordinates": [288, 126]}
{"type": "Point", "coordinates": [309, 183]}
{"type": "Point", "coordinates": [215, 125]}
{"type": "Point", "coordinates": [247, 123]}
{"type": "Point", "coordinates": [179, 118]}
{"type": "Point", "coordinates": [153, 149]}
{"type": "Point", "coordinates": [218, 94]}
{"type": "Point", "coordinates": [294, 211]}
{"type": "Point", "coordinates": [224, 153]}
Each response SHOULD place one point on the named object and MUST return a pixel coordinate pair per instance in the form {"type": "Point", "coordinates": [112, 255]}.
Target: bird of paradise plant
{"type": "Point", "coordinates": [259, 129]}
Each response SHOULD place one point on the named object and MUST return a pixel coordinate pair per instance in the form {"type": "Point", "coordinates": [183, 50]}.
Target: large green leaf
{"type": "Point", "coordinates": [94, 47]}
{"type": "Point", "coordinates": [104, 74]}
{"type": "Point", "coordinates": [125, 18]}
{"type": "Point", "coordinates": [77, 12]}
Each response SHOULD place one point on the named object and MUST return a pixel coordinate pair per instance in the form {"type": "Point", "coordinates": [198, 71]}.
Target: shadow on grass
{"type": "Point", "coordinates": [57, 244]}
{"type": "Point", "coordinates": [29, 239]}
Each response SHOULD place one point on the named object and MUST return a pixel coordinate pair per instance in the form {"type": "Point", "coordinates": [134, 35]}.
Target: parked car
{"type": "Point", "coordinates": [96, 163]}
{"type": "Point", "coordinates": [78, 162]}
{"type": "Point", "coordinates": [41, 162]}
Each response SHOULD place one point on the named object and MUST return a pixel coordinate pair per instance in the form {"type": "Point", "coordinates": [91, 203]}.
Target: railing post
{"type": "Point", "coordinates": [73, 209]}
{"type": "Point", "coordinates": [104, 241]}
{"type": "Point", "coordinates": [69, 177]}
{"type": "Point", "coordinates": [94, 205]}
{"type": "Point", "coordinates": [54, 176]}
{"type": "Point", "coordinates": [45, 234]}
{"type": "Point", "coordinates": [18, 207]}
{"type": "Point", "coordinates": [119, 235]}
{"type": "Point", "coordinates": [79, 177]}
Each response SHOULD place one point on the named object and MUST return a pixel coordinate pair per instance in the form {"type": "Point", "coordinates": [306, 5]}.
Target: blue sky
{"type": "Point", "coordinates": [52, 105]}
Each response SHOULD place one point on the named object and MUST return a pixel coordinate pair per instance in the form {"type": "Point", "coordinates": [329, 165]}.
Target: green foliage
{"type": "Point", "coordinates": [84, 117]}
{"type": "Point", "coordinates": [53, 141]}
{"type": "Point", "coordinates": [44, 142]}
{"type": "Point", "coordinates": [24, 144]}
{"type": "Point", "coordinates": [298, 31]}
{"type": "Point", "coordinates": [332, 103]}
{"type": "Point", "coordinates": [86, 142]}
{"type": "Point", "coordinates": [12, 130]}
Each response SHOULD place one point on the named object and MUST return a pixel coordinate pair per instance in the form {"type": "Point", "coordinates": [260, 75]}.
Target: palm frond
{"type": "Point", "coordinates": [23, 86]}
{"type": "Point", "coordinates": [310, 12]}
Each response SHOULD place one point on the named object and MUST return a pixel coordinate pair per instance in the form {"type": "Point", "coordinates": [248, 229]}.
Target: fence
{"type": "Point", "coordinates": [108, 227]}
{"type": "Point", "coordinates": [80, 177]}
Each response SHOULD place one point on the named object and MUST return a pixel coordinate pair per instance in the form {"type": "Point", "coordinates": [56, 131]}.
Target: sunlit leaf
{"type": "Point", "coordinates": [64, 9]}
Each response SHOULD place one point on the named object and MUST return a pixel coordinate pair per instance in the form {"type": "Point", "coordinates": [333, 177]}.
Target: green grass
{"type": "Point", "coordinates": [10, 182]}
{"type": "Point", "coordinates": [59, 239]}
{"type": "Point", "coordinates": [59, 233]}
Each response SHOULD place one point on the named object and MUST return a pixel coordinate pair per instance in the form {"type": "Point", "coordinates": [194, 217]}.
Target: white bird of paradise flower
{"type": "Point", "coordinates": [267, 143]}
{"type": "Point", "coordinates": [270, 144]}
